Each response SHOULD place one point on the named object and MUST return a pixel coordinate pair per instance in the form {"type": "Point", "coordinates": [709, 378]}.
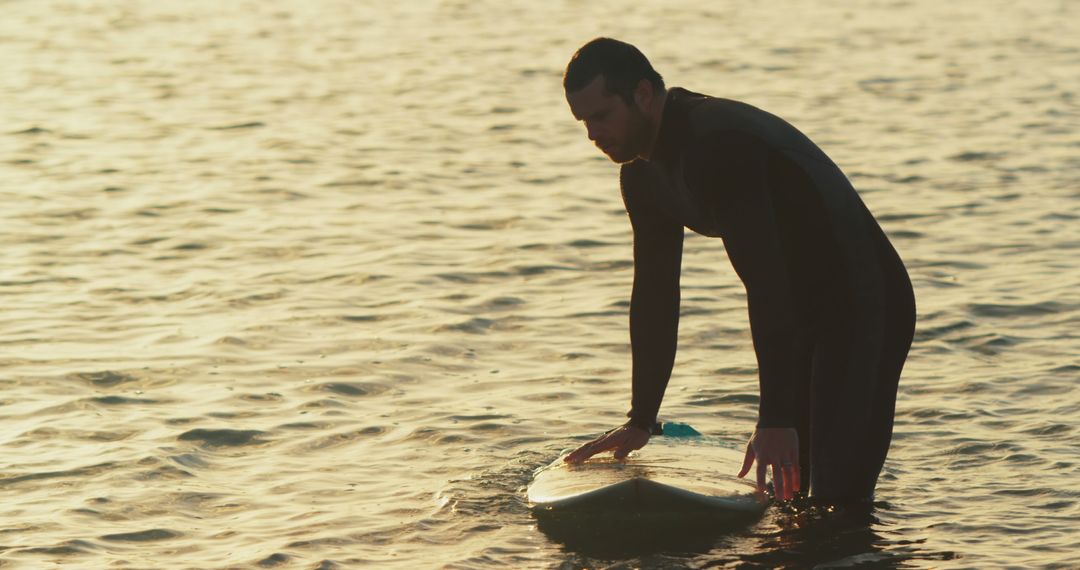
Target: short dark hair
{"type": "Point", "coordinates": [622, 65]}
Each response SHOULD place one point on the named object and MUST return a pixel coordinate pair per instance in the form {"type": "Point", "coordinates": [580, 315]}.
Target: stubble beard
{"type": "Point", "coordinates": [637, 140]}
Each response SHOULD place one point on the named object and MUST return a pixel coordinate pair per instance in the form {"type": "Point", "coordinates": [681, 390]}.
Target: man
{"type": "Point", "coordinates": [831, 307]}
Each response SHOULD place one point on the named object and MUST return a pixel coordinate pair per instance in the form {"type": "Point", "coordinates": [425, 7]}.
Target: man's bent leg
{"type": "Point", "coordinates": [844, 389]}
{"type": "Point", "coordinates": [899, 333]}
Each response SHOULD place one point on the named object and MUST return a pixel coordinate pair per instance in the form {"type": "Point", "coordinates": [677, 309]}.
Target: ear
{"type": "Point", "coordinates": [643, 94]}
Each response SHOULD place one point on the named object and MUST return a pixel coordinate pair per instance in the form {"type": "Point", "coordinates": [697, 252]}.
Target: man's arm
{"type": "Point", "coordinates": [735, 165]}
{"type": "Point", "coordinates": [654, 315]}
{"type": "Point", "coordinates": [654, 302]}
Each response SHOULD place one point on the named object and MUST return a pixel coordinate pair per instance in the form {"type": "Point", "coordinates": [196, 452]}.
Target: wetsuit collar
{"type": "Point", "coordinates": [670, 126]}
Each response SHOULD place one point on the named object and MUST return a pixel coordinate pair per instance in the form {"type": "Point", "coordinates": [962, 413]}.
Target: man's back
{"type": "Point", "coordinates": [727, 169]}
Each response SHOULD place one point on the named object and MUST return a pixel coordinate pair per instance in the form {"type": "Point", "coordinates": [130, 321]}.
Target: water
{"type": "Point", "coordinates": [318, 284]}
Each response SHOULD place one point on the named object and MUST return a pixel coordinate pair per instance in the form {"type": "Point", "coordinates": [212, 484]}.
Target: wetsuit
{"type": "Point", "coordinates": [832, 312]}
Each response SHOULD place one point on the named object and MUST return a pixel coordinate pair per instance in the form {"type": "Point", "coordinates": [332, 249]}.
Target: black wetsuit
{"type": "Point", "coordinates": [832, 312]}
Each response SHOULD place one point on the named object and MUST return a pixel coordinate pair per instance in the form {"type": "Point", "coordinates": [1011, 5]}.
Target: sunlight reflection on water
{"type": "Point", "coordinates": [320, 284]}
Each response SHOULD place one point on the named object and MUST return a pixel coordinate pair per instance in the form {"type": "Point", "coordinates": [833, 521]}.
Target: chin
{"type": "Point", "coordinates": [620, 157]}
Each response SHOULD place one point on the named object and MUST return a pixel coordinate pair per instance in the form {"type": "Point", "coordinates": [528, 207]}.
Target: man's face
{"type": "Point", "coordinates": [619, 130]}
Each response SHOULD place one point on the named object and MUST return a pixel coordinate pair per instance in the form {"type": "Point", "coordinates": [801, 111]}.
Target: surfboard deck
{"type": "Point", "coordinates": [671, 477]}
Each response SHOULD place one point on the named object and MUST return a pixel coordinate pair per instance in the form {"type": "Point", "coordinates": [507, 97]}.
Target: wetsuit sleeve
{"type": "Point", "coordinates": [654, 302]}
{"type": "Point", "coordinates": [734, 168]}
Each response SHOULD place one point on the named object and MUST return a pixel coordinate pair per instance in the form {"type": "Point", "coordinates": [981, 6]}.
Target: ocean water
{"type": "Point", "coordinates": [318, 284]}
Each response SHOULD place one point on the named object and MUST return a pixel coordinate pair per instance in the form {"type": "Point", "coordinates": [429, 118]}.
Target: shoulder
{"type": "Point", "coordinates": [719, 120]}
{"type": "Point", "coordinates": [727, 137]}
{"type": "Point", "coordinates": [722, 149]}
{"type": "Point", "coordinates": [638, 180]}
{"type": "Point", "coordinates": [726, 123]}
{"type": "Point", "coordinates": [709, 125]}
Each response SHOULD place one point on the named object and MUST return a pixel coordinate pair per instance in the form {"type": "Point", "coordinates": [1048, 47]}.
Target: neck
{"type": "Point", "coordinates": [656, 117]}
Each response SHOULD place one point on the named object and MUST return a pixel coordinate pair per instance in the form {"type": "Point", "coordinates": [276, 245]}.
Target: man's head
{"type": "Point", "coordinates": [612, 88]}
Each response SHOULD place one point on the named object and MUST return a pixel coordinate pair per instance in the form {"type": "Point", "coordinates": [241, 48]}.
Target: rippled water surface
{"type": "Point", "coordinates": [318, 284]}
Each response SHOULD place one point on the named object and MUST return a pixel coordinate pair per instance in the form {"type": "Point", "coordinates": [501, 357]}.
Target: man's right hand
{"type": "Point", "coordinates": [779, 448]}
{"type": "Point", "coordinates": [622, 440]}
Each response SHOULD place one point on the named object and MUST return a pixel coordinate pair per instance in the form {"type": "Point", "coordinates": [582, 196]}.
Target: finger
{"type": "Point", "coordinates": [779, 489]}
{"type": "Point", "coordinates": [786, 481]}
{"type": "Point", "coordinates": [794, 478]}
{"type": "Point", "coordinates": [748, 460]}
{"type": "Point", "coordinates": [576, 456]}
{"type": "Point", "coordinates": [628, 444]}
{"type": "Point", "coordinates": [582, 453]}
{"type": "Point", "coordinates": [789, 481]}
{"type": "Point", "coordinates": [590, 449]}
{"type": "Point", "coordinates": [624, 448]}
{"type": "Point", "coordinates": [761, 476]}
{"type": "Point", "coordinates": [586, 451]}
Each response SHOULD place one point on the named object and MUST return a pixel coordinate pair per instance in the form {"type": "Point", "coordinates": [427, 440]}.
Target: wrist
{"type": "Point", "coordinates": [652, 427]}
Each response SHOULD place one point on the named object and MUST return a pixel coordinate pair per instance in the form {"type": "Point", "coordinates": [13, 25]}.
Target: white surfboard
{"type": "Point", "coordinates": [672, 477]}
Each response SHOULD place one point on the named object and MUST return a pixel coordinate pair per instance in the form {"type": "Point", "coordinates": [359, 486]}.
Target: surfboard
{"type": "Point", "coordinates": [680, 476]}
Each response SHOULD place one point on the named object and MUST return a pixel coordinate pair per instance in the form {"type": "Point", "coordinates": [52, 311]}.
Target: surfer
{"type": "Point", "coordinates": [831, 307]}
